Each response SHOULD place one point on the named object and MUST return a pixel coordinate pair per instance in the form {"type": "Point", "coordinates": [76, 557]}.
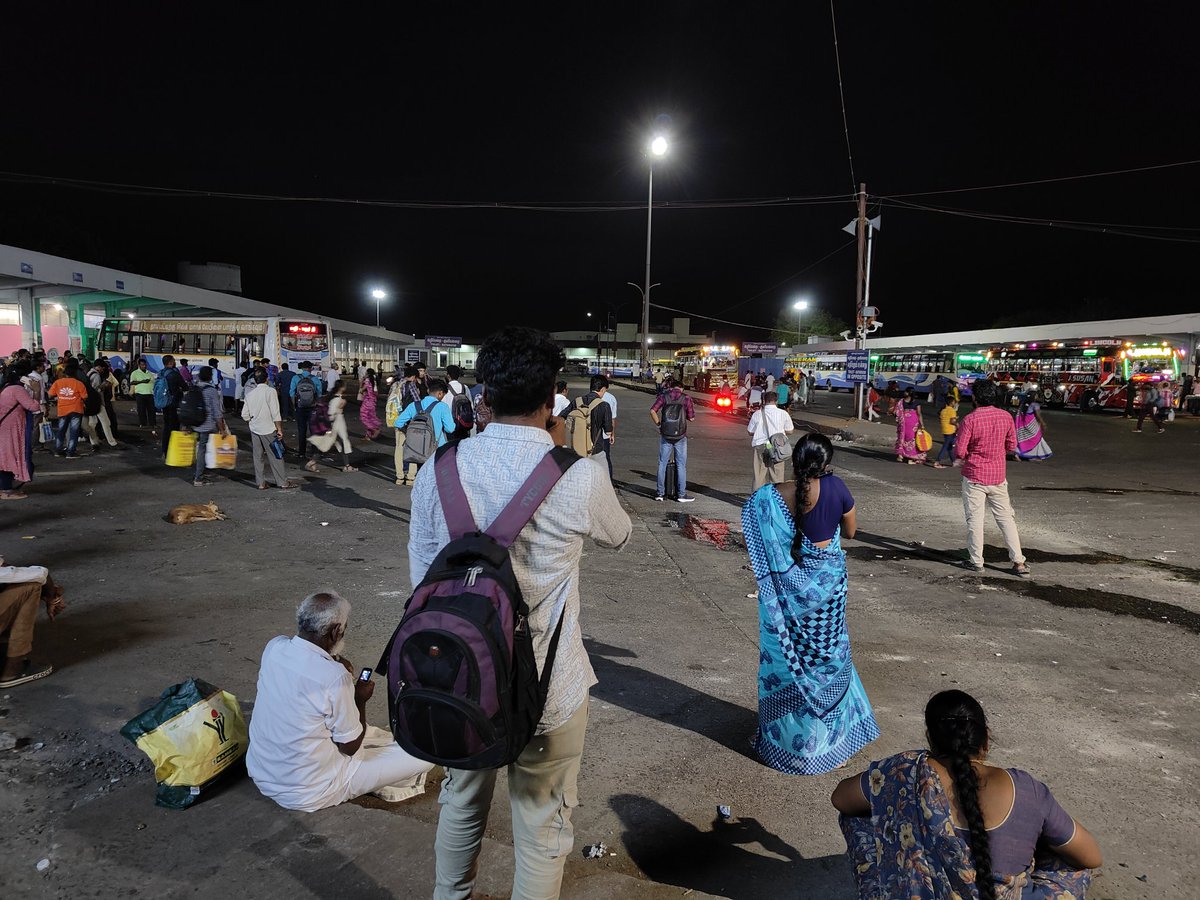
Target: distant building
{"type": "Point", "coordinates": [620, 348]}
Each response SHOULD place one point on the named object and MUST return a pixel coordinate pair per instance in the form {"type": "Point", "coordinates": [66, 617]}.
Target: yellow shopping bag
{"type": "Point", "coordinates": [221, 452]}
{"type": "Point", "coordinates": [181, 449]}
{"type": "Point", "coordinates": [924, 442]}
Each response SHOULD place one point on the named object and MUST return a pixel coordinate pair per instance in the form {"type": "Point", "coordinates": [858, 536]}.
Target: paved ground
{"type": "Point", "coordinates": [1088, 671]}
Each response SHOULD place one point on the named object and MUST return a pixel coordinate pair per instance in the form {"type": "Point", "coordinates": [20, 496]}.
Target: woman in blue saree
{"type": "Point", "coordinates": [813, 712]}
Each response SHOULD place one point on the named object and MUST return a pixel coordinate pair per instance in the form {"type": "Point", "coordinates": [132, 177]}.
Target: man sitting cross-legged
{"type": "Point", "coordinates": [310, 744]}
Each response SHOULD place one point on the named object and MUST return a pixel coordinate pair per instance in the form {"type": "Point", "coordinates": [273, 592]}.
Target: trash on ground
{"type": "Point", "coordinates": [725, 812]}
{"type": "Point", "coordinates": [595, 851]}
{"type": "Point", "coordinates": [324, 523]}
{"type": "Point", "coordinates": [43, 865]}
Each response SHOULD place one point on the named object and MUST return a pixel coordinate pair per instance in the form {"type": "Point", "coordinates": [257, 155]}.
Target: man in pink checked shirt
{"type": "Point", "coordinates": [985, 439]}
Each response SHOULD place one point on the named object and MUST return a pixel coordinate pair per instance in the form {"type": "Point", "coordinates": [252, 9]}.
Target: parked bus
{"type": "Point", "coordinates": [919, 370]}
{"type": "Point", "coordinates": [232, 342]}
{"type": "Point", "coordinates": [1092, 375]}
{"type": "Point", "coordinates": [829, 369]}
{"type": "Point", "coordinates": [697, 367]}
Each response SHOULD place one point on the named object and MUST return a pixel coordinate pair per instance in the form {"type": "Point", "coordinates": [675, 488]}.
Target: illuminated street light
{"type": "Point", "coordinates": [379, 295]}
{"type": "Point", "coordinates": [658, 148]}
{"type": "Point", "coordinates": [800, 306]}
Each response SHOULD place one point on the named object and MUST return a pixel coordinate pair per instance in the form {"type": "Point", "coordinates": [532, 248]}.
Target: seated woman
{"type": "Point", "coordinates": [941, 823]}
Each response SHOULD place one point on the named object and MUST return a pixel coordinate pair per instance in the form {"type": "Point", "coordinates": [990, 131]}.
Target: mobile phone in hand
{"type": "Point", "coordinates": [365, 674]}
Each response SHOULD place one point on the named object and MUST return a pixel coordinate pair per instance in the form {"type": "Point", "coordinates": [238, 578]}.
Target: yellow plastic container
{"type": "Point", "coordinates": [181, 449]}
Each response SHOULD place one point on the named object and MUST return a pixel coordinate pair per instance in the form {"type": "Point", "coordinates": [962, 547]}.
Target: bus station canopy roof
{"type": "Point", "coordinates": [1182, 329]}
{"type": "Point", "coordinates": [55, 276]}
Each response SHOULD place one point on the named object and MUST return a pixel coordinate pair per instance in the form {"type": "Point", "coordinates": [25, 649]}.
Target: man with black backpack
{"type": "Point", "coordinates": [306, 391]}
{"type": "Point", "coordinates": [168, 391]}
{"type": "Point", "coordinates": [533, 574]}
{"type": "Point", "coordinates": [671, 412]}
{"type": "Point", "coordinates": [458, 399]}
{"type": "Point", "coordinates": [427, 425]}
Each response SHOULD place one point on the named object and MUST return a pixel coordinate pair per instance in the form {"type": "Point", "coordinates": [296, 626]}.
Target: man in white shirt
{"type": "Point", "coordinates": [519, 367]}
{"type": "Point", "coordinates": [261, 410]}
{"type": "Point", "coordinates": [562, 402]}
{"type": "Point", "coordinates": [22, 588]}
{"type": "Point", "coordinates": [611, 434]}
{"type": "Point", "coordinates": [455, 388]}
{"type": "Point", "coordinates": [310, 744]}
{"type": "Point", "coordinates": [332, 376]}
{"type": "Point", "coordinates": [767, 421]}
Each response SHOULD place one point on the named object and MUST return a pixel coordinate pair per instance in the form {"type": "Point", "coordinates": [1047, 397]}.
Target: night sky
{"type": "Point", "coordinates": [525, 103]}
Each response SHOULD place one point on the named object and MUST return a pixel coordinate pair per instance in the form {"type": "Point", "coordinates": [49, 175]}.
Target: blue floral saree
{"type": "Point", "coordinates": [908, 846]}
{"type": "Point", "coordinates": [813, 712]}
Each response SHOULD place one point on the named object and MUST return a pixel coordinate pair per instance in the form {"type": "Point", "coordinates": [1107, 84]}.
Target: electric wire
{"type": "Point", "coordinates": [837, 56]}
{"type": "Point", "coordinates": [1058, 180]}
{"type": "Point", "coordinates": [707, 318]}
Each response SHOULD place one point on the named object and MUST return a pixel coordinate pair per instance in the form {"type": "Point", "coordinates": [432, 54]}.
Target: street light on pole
{"type": "Point", "coordinates": [800, 306]}
{"type": "Point", "coordinates": [657, 150]}
{"type": "Point", "coordinates": [379, 295]}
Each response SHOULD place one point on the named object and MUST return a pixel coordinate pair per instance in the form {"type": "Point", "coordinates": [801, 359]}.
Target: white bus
{"type": "Point", "coordinates": [231, 342]}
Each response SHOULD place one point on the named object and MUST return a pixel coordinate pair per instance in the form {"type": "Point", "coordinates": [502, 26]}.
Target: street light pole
{"type": "Point", "coordinates": [800, 306]}
{"type": "Point", "coordinates": [658, 147]}
{"type": "Point", "coordinates": [379, 295]}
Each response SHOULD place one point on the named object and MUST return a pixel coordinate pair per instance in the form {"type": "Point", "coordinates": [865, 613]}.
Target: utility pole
{"type": "Point", "coordinates": [646, 291]}
{"type": "Point", "coordinates": [860, 320]}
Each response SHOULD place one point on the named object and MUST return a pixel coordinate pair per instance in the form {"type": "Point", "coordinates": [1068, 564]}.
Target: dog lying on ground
{"type": "Point", "coordinates": [186, 513]}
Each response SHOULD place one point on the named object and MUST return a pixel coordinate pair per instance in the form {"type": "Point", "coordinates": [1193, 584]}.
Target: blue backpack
{"type": "Point", "coordinates": [162, 392]}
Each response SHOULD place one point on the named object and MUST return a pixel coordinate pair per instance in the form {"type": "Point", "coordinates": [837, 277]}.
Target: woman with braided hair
{"type": "Point", "coordinates": [941, 823]}
{"type": "Point", "coordinates": [813, 712]}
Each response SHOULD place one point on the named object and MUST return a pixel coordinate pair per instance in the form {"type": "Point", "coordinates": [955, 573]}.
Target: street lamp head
{"type": "Point", "coordinates": [589, 315]}
{"type": "Point", "coordinates": [658, 146]}
{"type": "Point", "coordinates": [800, 305]}
{"type": "Point", "coordinates": [378, 294]}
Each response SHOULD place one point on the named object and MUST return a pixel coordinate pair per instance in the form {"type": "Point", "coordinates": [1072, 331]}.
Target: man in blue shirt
{"type": "Point", "coordinates": [439, 413]}
{"type": "Point", "coordinates": [306, 391]}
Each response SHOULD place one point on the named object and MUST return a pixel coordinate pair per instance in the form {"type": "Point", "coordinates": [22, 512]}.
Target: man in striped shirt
{"type": "Point", "coordinates": [985, 439]}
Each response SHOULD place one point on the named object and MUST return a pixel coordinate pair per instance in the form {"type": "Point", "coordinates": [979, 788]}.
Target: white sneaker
{"type": "Point", "coordinates": [686, 500]}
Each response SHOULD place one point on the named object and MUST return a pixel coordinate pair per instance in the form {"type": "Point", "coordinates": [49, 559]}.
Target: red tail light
{"type": "Point", "coordinates": [724, 401]}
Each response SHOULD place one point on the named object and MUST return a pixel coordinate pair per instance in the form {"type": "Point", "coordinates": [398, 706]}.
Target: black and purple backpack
{"type": "Point", "coordinates": [463, 685]}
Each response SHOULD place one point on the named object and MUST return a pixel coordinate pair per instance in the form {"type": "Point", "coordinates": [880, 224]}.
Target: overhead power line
{"type": "Point", "coordinates": [837, 56]}
{"type": "Point", "coordinates": [696, 315]}
{"type": "Point", "coordinates": [535, 206]}
{"type": "Point", "coordinates": [1013, 184]}
{"type": "Point", "coordinates": [1146, 232]}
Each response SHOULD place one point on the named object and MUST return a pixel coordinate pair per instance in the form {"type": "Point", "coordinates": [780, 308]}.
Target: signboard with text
{"type": "Point", "coordinates": [441, 342]}
{"type": "Point", "coordinates": [858, 366]}
{"type": "Point", "coordinates": [765, 347]}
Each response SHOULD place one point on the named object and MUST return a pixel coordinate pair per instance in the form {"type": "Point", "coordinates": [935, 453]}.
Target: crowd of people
{"type": "Point", "coordinates": [939, 822]}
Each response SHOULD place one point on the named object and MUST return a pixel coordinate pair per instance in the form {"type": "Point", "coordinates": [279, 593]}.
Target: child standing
{"type": "Point", "coordinates": [949, 418]}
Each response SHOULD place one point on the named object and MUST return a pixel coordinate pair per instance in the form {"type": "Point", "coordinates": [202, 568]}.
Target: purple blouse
{"type": "Point", "coordinates": [1035, 818]}
{"type": "Point", "coordinates": [824, 518]}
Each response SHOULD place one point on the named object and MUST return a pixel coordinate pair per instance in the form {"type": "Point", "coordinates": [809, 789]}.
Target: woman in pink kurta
{"type": "Point", "coordinates": [15, 403]}
{"type": "Point", "coordinates": [368, 413]}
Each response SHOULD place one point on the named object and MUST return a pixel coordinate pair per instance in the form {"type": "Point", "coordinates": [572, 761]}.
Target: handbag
{"type": "Point", "coordinates": [221, 452]}
{"type": "Point", "coordinates": [777, 449]}
{"type": "Point", "coordinates": [47, 433]}
{"type": "Point", "coordinates": [181, 449]}
{"type": "Point", "coordinates": [277, 448]}
{"type": "Point", "coordinates": [923, 441]}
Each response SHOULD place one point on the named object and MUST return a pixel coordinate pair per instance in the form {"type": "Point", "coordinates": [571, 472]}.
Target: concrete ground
{"type": "Point", "coordinates": [1087, 671]}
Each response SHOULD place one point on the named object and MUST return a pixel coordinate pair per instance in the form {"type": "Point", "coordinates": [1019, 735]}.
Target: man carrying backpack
{"type": "Point", "coordinates": [214, 421]}
{"type": "Point", "coordinates": [671, 412]}
{"type": "Point", "coordinates": [589, 422]}
{"type": "Point", "coordinates": [168, 391]}
{"type": "Point", "coordinates": [458, 401]}
{"type": "Point", "coordinates": [519, 367]}
{"type": "Point", "coordinates": [428, 426]}
{"type": "Point", "coordinates": [306, 391]}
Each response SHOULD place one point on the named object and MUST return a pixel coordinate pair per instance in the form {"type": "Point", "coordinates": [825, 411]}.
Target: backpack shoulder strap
{"type": "Point", "coordinates": [529, 496]}
{"type": "Point", "coordinates": [455, 507]}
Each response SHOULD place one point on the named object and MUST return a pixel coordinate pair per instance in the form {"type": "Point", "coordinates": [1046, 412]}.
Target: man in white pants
{"type": "Point", "coordinates": [768, 420]}
{"type": "Point", "coordinates": [984, 440]}
{"type": "Point", "coordinates": [310, 744]}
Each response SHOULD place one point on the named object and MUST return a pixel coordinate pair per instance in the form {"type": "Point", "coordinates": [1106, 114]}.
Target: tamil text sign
{"type": "Point", "coordinates": [441, 341]}
{"type": "Point", "coordinates": [767, 347]}
{"type": "Point", "coordinates": [858, 364]}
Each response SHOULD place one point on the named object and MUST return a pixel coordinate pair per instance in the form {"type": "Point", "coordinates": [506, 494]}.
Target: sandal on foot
{"type": "Point", "coordinates": [1022, 570]}
{"type": "Point", "coordinates": [28, 673]}
{"type": "Point", "coordinates": [349, 469]}
{"type": "Point", "coordinates": [263, 486]}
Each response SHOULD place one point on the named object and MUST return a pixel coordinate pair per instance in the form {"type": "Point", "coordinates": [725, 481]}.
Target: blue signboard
{"type": "Point", "coordinates": [120, 285]}
{"type": "Point", "coordinates": [77, 277]}
{"type": "Point", "coordinates": [26, 269]}
{"type": "Point", "coordinates": [858, 364]}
